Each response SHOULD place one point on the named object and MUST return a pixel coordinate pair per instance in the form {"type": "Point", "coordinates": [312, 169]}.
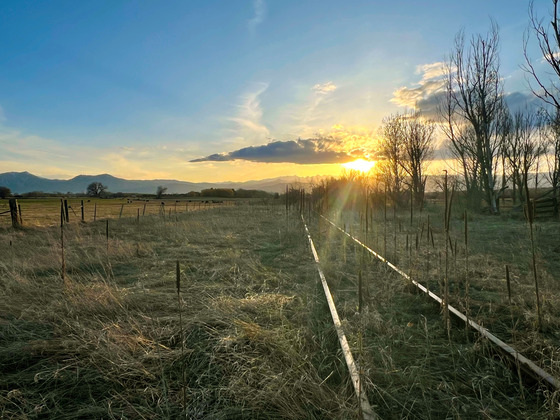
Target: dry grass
{"type": "Point", "coordinates": [413, 369]}
{"type": "Point", "coordinates": [106, 342]}
{"type": "Point", "coordinates": [43, 212]}
{"type": "Point", "coordinates": [258, 339]}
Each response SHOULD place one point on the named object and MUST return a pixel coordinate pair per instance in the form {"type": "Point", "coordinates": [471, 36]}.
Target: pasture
{"type": "Point", "coordinates": [46, 211]}
{"type": "Point", "coordinates": [108, 325]}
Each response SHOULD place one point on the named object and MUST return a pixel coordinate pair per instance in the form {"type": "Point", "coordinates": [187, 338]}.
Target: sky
{"type": "Point", "coordinates": [226, 90]}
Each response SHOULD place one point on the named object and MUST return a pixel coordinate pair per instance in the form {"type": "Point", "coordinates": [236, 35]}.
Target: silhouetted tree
{"type": "Point", "coordinates": [475, 92]}
{"type": "Point", "coordinates": [551, 138]}
{"type": "Point", "coordinates": [548, 39]}
{"type": "Point", "coordinates": [96, 189]}
{"type": "Point", "coordinates": [418, 148]}
{"type": "Point", "coordinates": [522, 150]}
{"type": "Point", "coordinates": [406, 145]}
{"type": "Point", "coordinates": [391, 150]}
{"type": "Point", "coordinates": [5, 192]}
{"type": "Point", "coordinates": [160, 191]}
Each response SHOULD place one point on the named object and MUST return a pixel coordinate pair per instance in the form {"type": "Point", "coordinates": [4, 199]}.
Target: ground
{"type": "Point", "coordinates": [249, 335]}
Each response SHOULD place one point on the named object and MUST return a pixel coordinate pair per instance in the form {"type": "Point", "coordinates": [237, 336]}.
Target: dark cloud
{"type": "Point", "coordinates": [520, 101]}
{"type": "Point", "coordinates": [310, 151]}
{"type": "Point", "coordinates": [429, 104]}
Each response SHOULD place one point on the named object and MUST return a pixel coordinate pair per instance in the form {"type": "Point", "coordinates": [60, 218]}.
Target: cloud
{"type": "Point", "coordinates": [521, 101]}
{"type": "Point", "coordinates": [309, 151]}
{"type": "Point", "coordinates": [324, 88]}
{"type": "Point", "coordinates": [249, 128]}
{"type": "Point", "coordinates": [259, 9]}
{"type": "Point", "coordinates": [425, 95]}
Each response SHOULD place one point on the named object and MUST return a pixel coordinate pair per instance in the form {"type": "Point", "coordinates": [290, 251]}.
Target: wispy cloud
{"type": "Point", "coordinates": [259, 10]}
{"type": "Point", "coordinates": [324, 88]}
{"type": "Point", "coordinates": [249, 128]}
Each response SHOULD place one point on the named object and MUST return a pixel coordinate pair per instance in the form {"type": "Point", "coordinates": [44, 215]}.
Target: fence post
{"type": "Point", "coordinates": [66, 211]}
{"type": "Point", "coordinates": [20, 217]}
{"type": "Point", "coordinates": [82, 204]}
{"type": "Point", "coordinates": [14, 212]}
{"type": "Point", "coordinates": [120, 213]}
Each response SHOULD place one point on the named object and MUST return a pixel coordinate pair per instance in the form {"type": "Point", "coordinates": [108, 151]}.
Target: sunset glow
{"type": "Point", "coordinates": [201, 93]}
{"type": "Point", "coordinates": [360, 165]}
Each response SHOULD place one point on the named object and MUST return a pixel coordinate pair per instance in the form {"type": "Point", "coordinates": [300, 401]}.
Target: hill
{"type": "Point", "coordinates": [23, 182]}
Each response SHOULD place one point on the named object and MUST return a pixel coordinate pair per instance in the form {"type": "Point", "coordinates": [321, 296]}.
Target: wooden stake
{"type": "Point", "coordinates": [14, 212]}
{"type": "Point", "coordinates": [66, 211]}
{"type": "Point", "coordinates": [63, 261]}
{"type": "Point", "coordinates": [359, 291]}
{"type": "Point", "coordinates": [508, 284]}
{"type": "Point", "coordinates": [20, 216]}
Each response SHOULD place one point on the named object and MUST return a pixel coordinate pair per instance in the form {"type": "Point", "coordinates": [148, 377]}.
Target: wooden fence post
{"type": "Point", "coordinates": [82, 204]}
{"type": "Point", "coordinates": [14, 212]}
{"type": "Point", "coordinates": [19, 212]}
{"type": "Point", "coordinates": [66, 211]}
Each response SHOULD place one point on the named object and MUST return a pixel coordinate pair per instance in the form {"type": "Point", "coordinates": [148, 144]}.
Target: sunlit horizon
{"type": "Point", "coordinates": [360, 165]}
{"type": "Point", "coordinates": [242, 91]}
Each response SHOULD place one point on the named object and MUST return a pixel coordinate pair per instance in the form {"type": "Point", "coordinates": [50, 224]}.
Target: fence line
{"type": "Point", "coordinates": [47, 213]}
{"type": "Point", "coordinates": [366, 409]}
{"type": "Point", "coordinates": [524, 363]}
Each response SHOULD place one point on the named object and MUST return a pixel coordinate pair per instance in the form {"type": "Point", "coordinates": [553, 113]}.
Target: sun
{"type": "Point", "coordinates": [360, 165]}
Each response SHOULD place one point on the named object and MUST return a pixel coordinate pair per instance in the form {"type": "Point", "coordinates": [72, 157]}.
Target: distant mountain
{"type": "Point", "coordinates": [23, 182]}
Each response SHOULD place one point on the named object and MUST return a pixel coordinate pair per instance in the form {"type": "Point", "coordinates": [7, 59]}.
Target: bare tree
{"type": "Point", "coordinates": [391, 150]}
{"type": "Point", "coordinates": [96, 189]}
{"type": "Point", "coordinates": [462, 142]}
{"type": "Point", "coordinates": [523, 150]}
{"type": "Point", "coordinates": [418, 147]}
{"type": "Point", "coordinates": [548, 40]}
{"type": "Point", "coordinates": [551, 149]}
{"type": "Point", "coordinates": [475, 94]}
{"type": "Point", "coordinates": [160, 191]}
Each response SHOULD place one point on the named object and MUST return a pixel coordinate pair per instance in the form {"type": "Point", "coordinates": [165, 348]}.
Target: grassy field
{"type": "Point", "coordinates": [46, 211]}
{"type": "Point", "coordinates": [249, 335]}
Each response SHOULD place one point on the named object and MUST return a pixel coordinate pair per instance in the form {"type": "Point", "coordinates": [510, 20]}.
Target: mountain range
{"type": "Point", "coordinates": [24, 182]}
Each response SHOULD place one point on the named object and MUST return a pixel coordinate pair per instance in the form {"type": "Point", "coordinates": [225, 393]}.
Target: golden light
{"type": "Point", "coordinates": [360, 165]}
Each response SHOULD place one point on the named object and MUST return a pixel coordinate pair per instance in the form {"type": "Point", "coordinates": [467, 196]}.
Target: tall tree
{"type": "Point", "coordinates": [548, 38]}
{"type": "Point", "coordinates": [475, 95]}
{"type": "Point", "coordinates": [391, 151]}
{"type": "Point", "coordinates": [418, 148]}
{"type": "Point", "coordinates": [546, 85]}
{"type": "Point", "coordinates": [551, 138]}
{"type": "Point", "coordinates": [523, 150]}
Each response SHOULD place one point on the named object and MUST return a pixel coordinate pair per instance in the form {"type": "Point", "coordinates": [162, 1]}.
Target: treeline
{"type": "Point", "coordinates": [210, 192]}
{"type": "Point", "coordinates": [231, 193]}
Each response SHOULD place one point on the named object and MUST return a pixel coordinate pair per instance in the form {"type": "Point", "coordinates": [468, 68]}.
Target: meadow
{"type": "Point", "coordinates": [219, 314]}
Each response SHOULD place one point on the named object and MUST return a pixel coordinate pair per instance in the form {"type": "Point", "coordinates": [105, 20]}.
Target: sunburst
{"type": "Point", "coordinates": [360, 165]}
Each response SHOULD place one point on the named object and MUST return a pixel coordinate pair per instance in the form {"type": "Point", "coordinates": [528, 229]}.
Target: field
{"type": "Point", "coordinates": [248, 334]}
{"type": "Point", "coordinates": [46, 211]}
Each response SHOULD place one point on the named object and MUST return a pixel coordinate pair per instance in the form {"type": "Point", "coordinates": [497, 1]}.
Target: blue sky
{"type": "Point", "coordinates": [139, 89]}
